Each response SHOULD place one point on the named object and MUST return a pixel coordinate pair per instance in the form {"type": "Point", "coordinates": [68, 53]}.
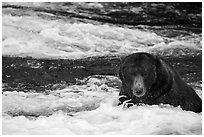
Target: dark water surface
{"type": "Point", "coordinates": [39, 75]}
{"type": "Point", "coordinates": [123, 13]}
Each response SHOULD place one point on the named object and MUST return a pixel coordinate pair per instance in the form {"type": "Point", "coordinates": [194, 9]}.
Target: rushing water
{"type": "Point", "coordinates": [60, 66]}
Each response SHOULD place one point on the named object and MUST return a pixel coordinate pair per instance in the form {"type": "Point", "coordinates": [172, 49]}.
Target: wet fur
{"type": "Point", "coordinates": [167, 88]}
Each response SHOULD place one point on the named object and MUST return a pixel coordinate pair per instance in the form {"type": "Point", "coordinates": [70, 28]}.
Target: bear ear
{"type": "Point", "coordinates": [159, 66]}
{"type": "Point", "coordinates": [155, 57]}
{"type": "Point", "coordinates": [122, 59]}
{"type": "Point", "coordinates": [162, 70]}
{"type": "Point", "coordinates": [158, 61]}
{"type": "Point", "coordinates": [120, 73]}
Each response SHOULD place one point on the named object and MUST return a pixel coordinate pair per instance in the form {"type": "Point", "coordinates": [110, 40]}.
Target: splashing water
{"type": "Point", "coordinates": [91, 108]}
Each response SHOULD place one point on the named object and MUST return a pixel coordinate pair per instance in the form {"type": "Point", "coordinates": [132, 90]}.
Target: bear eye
{"type": "Point", "coordinates": [145, 74]}
{"type": "Point", "coordinates": [129, 70]}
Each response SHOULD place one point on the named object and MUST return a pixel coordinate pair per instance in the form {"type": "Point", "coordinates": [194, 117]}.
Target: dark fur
{"type": "Point", "coordinates": [163, 84]}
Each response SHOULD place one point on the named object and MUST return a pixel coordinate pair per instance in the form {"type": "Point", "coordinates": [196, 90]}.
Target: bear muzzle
{"type": "Point", "coordinates": [138, 88]}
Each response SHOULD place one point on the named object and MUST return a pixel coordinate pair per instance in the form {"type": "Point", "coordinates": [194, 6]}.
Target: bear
{"type": "Point", "coordinates": [149, 79]}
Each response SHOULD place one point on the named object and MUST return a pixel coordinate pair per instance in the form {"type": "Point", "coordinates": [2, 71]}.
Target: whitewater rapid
{"type": "Point", "coordinates": [43, 35]}
{"type": "Point", "coordinates": [91, 108]}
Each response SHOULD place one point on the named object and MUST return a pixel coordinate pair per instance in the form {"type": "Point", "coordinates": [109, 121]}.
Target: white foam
{"type": "Point", "coordinates": [91, 108]}
{"type": "Point", "coordinates": [109, 120]}
{"type": "Point", "coordinates": [42, 37]}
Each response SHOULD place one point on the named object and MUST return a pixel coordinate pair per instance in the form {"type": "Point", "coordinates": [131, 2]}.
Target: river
{"type": "Point", "coordinates": [60, 66]}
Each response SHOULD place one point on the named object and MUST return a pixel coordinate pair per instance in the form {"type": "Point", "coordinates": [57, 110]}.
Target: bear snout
{"type": "Point", "coordinates": [138, 87]}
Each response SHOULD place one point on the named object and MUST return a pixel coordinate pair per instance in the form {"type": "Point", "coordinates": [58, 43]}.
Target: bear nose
{"type": "Point", "coordinates": [139, 91]}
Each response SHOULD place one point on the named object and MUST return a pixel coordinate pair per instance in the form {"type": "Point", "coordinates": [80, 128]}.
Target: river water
{"type": "Point", "coordinates": [60, 66]}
